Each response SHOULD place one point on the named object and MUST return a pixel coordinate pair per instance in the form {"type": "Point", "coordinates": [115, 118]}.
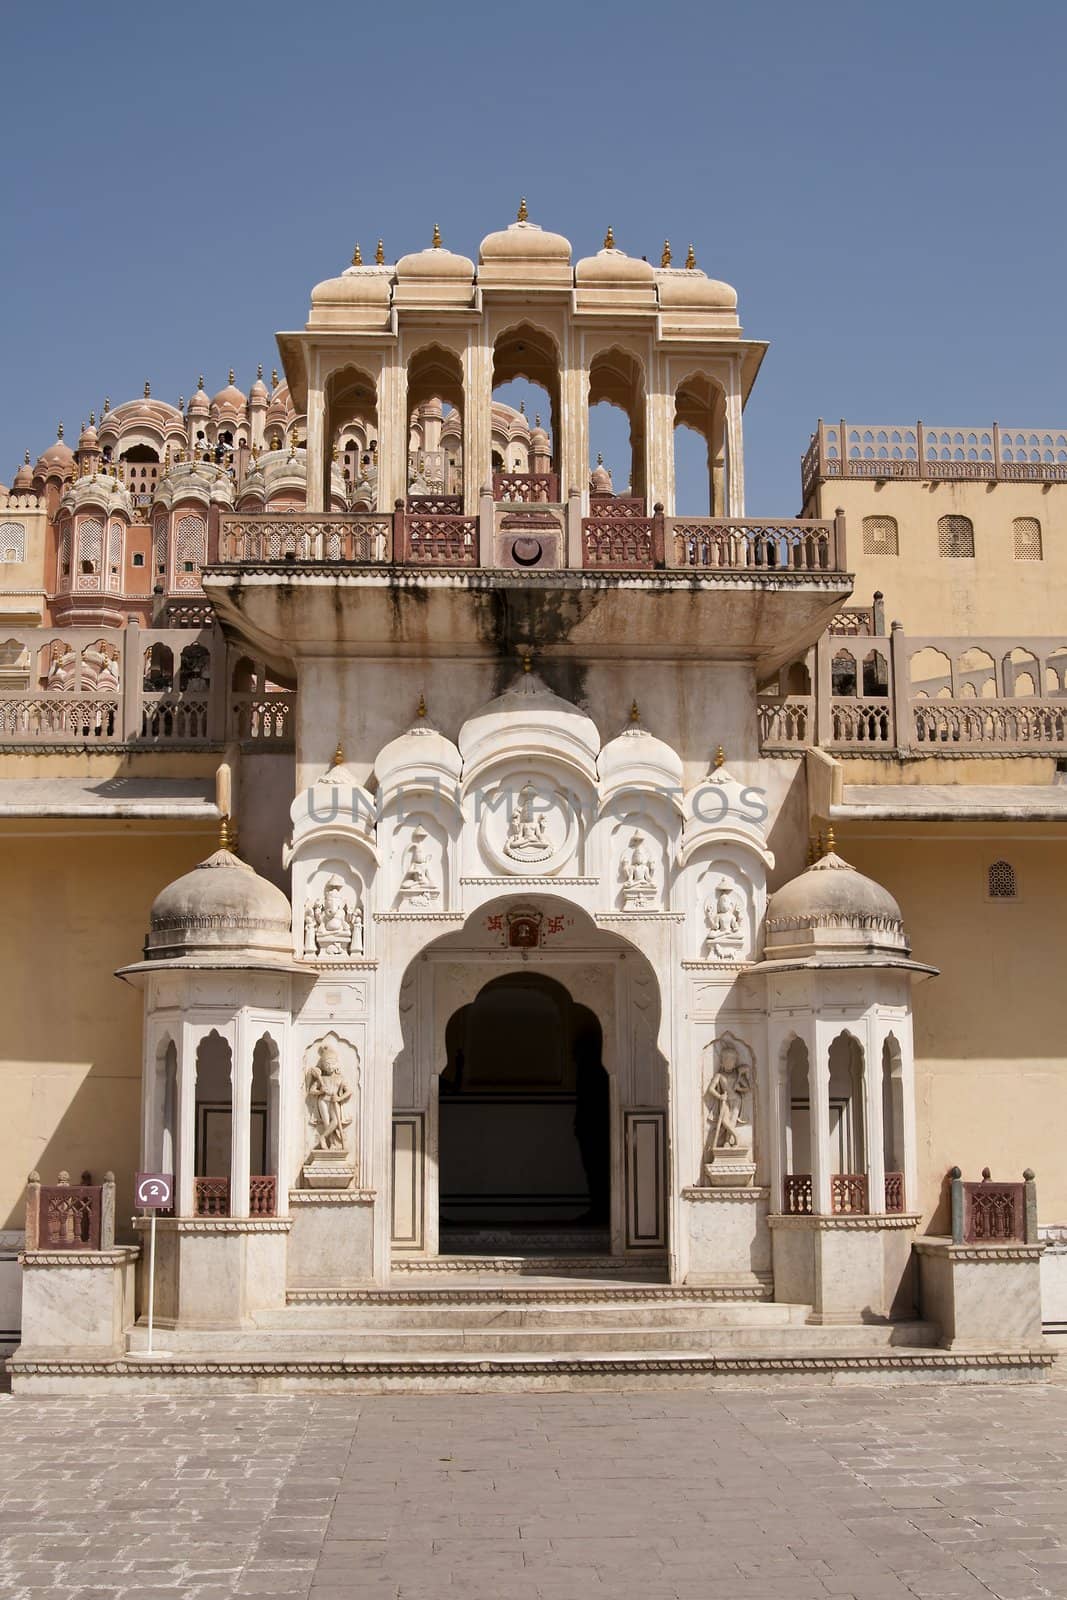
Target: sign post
{"type": "Point", "coordinates": [154, 1191]}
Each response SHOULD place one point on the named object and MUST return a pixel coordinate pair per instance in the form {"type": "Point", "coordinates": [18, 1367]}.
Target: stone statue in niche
{"type": "Point", "coordinates": [417, 886]}
{"type": "Point", "coordinates": [728, 1159]}
{"type": "Point", "coordinates": [328, 1164]}
{"type": "Point", "coordinates": [638, 875]}
{"type": "Point", "coordinates": [724, 918]}
{"type": "Point", "coordinates": [328, 1096]}
{"type": "Point", "coordinates": [333, 926]}
{"type": "Point", "coordinates": [528, 828]}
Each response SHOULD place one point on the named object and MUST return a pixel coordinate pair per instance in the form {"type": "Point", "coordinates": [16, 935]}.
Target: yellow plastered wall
{"type": "Point", "coordinates": [75, 909]}
{"type": "Point", "coordinates": [991, 592]}
{"type": "Point", "coordinates": [991, 1031]}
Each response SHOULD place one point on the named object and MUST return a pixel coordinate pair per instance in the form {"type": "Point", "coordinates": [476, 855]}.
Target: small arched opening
{"type": "Point", "coordinates": [526, 381]}
{"type": "Point", "coordinates": [212, 1156]}
{"type": "Point", "coordinates": [435, 406]}
{"type": "Point", "coordinates": [617, 385]}
{"type": "Point", "coordinates": [700, 464]}
{"type": "Point", "coordinates": [351, 401]}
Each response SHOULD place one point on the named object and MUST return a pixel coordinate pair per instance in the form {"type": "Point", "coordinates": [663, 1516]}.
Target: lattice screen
{"type": "Point", "coordinates": [1002, 881]}
{"type": "Point", "coordinates": [12, 542]}
{"type": "Point", "coordinates": [880, 536]}
{"type": "Point", "coordinates": [1026, 534]}
{"type": "Point", "coordinates": [955, 536]}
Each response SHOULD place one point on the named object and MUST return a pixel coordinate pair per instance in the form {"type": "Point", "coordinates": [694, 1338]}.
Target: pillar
{"type": "Point", "coordinates": [185, 1153]}
{"type": "Point", "coordinates": [574, 431]}
{"type": "Point", "coordinates": [873, 1120]}
{"type": "Point", "coordinates": [317, 453]}
{"type": "Point", "coordinates": [392, 433]}
{"type": "Point", "coordinates": [735, 449]}
{"type": "Point", "coordinates": [477, 423]}
{"type": "Point", "coordinates": [659, 451]}
{"type": "Point", "coordinates": [822, 1164]}
{"type": "Point", "coordinates": [240, 1116]}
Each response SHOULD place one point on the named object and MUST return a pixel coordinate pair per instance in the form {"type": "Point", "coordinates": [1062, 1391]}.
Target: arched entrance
{"type": "Point", "coordinates": [529, 1091]}
{"type": "Point", "coordinates": [524, 1121]}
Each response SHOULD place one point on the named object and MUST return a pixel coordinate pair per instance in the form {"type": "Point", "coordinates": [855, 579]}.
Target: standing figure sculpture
{"type": "Point", "coordinates": [328, 1095]}
{"type": "Point", "coordinates": [728, 1090]}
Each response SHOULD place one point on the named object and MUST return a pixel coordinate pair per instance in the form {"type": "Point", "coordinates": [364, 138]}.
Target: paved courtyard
{"type": "Point", "coordinates": [944, 1493]}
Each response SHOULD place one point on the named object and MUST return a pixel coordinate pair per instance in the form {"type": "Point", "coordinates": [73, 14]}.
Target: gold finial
{"type": "Point", "coordinates": [231, 374]}
{"type": "Point", "coordinates": [527, 660]}
{"type": "Point", "coordinates": [259, 371]}
{"type": "Point", "coordinates": [524, 215]}
{"type": "Point", "coordinates": [274, 377]}
{"type": "Point", "coordinates": [26, 458]}
{"type": "Point", "coordinates": [609, 239]}
{"type": "Point", "coordinates": [357, 257]}
{"type": "Point", "coordinates": [147, 390]}
{"type": "Point", "coordinates": [537, 419]}
{"type": "Point", "coordinates": [690, 260]}
{"type": "Point", "coordinates": [166, 461]}
{"type": "Point", "coordinates": [635, 715]}
{"type": "Point", "coordinates": [225, 841]}
{"type": "Point", "coordinates": [181, 402]}
{"type": "Point", "coordinates": [600, 458]}
{"type": "Point", "coordinates": [59, 431]}
{"type": "Point", "coordinates": [665, 258]}
{"type": "Point", "coordinates": [200, 382]}
{"type": "Point", "coordinates": [720, 757]}
{"type": "Point", "coordinates": [436, 241]}
{"type": "Point", "coordinates": [92, 419]}
{"type": "Point", "coordinates": [338, 755]}
{"type": "Point", "coordinates": [831, 842]}
{"type": "Point", "coordinates": [107, 404]}
{"type": "Point", "coordinates": [522, 408]}
{"type": "Point", "coordinates": [379, 255]}
{"type": "Point", "coordinates": [420, 710]}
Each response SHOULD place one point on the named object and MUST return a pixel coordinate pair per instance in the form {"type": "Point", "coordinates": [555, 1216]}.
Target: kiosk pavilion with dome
{"type": "Point", "coordinates": [517, 1009]}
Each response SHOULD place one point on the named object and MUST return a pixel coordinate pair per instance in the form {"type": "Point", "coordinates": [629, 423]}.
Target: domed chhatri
{"type": "Point", "coordinates": [220, 910]}
{"type": "Point", "coordinates": [832, 909]}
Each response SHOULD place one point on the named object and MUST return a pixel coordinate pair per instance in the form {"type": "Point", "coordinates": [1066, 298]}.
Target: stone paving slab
{"type": "Point", "coordinates": [934, 1492]}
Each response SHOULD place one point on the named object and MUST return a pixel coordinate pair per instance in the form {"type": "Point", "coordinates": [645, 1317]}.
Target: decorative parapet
{"type": "Point", "coordinates": [988, 1213]}
{"type": "Point", "coordinates": [70, 1217]}
{"type": "Point", "coordinates": [923, 451]}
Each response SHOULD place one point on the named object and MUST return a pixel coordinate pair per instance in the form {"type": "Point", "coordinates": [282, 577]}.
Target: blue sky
{"type": "Point", "coordinates": [884, 185]}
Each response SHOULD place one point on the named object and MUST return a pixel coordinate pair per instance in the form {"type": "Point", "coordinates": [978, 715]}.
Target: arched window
{"type": "Point", "coordinates": [843, 674]}
{"type": "Point", "coordinates": [1001, 880]}
{"type": "Point", "coordinates": [955, 536]}
{"type": "Point", "coordinates": [880, 536]}
{"type": "Point", "coordinates": [1026, 538]}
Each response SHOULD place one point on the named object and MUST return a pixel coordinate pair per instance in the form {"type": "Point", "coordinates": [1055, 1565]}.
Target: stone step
{"type": "Point", "coordinates": [225, 1373]}
{"type": "Point", "coordinates": [471, 1308]}
{"type": "Point", "coordinates": [601, 1337]}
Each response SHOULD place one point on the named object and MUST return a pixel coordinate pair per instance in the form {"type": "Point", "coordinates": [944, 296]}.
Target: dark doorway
{"type": "Point", "coordinates": [524, 1154]}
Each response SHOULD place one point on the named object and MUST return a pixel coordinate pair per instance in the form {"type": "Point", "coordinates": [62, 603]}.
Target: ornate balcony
{"type": "Point", "coordinates": [986, 452]}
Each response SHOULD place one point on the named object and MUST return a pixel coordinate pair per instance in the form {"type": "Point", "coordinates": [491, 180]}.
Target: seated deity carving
{"type": "Point", "coordinates": [638, 875]}
{"type": "Point", "coordinates": [417, 885]}
{"type": "Point", "coordinates": [527, 838]}
{"type": "Point", "coordinates": [332, 926]}
{"type": "Point", "coordinates": [724, 919]}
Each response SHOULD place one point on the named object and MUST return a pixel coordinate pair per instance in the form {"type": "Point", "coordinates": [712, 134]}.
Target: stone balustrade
{"type": "Point", "coordinates": [924, 451]}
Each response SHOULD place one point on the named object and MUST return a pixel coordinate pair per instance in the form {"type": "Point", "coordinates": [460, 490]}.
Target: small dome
{"type": "Point", "coordinates": [422, 756]}
{"type": "Point", "coordinates": [611, 267]}
{"type": "Point", "coordinates": [220, 909]}
{"type": "Point", "coordinates": [538, 435]}
{"type": "Point", "coordinates": [59, 457]}
{"type": "Point", "coordinates": [529, 716]}
{"type": "Point", "coordinates": [88, 438]}
{"type": "Point", "coordinates": [525, 241]}
{"type": "Point", "coordinates": [833, 908]}
{"type": "Point", "coordinates": [600, 479]}
{"type": "Point", "coordinates": [436, 265]}
{"type": "Point", "coordinates": [259, 394]}
{"type": "Point", "coordinates": [636, 758]}
{"type": "Point", "coordinates": [691, 287]}
{"type": "Point", "coordinates": [357, 286]}
{"type": "Point", "coordinates": [200, 402]}
{"type": "Point", "coordinates": [23, 483]}
{"type": "Point", "coordinates": [231, 398]}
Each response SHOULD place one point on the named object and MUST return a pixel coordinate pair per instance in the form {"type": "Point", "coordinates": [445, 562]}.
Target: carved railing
{"type": "Point", "coordinates": [211, 1197]}
{"type": "Point", "coordinates": [923, 451]}
{"type": "Point", "coordinates": [848, 1194]}
{"type": "Point", "coordinates": [174, 718]}
{"type": "Point", "coordinates": [532, 488]}
{"type": "Point", "coordinates": [70, 1216]}
{"type": "Point", "coordinates": [990, 724]}
{"type": "Point", "coordinates": [619, 505]}
{"type": "Point", "coordinates": [993, 1213]}
{"type": "Point", "coordinates": [262, 1196]}
{"type": "Point", "coordinates": [861, 722]}
{"type": "Point", "coordinates": [757, 545]}
{"type": "Point", "coordinates": [617, 542]}
{"type": "Point", "coordinates": [786, 723]}
{"type": "Point", "coordinates": [353, 538]}
{"type": "Point", "coordinates": [798, 1195]}
{"type": "Point", "coordinates": [444, 541]}
{"type": "Point", "coordinates": [894, 1192]}
{"type": "Point", "coordinates": [435, 505]}
{"type": "Point", "coordinates": [264, 718]}
{"type": "Point", "coordinates": [58, 717]}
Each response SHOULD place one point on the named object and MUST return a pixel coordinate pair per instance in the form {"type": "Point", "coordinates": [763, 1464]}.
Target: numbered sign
{"type": "Point", "coordinates": [154, 1191]}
